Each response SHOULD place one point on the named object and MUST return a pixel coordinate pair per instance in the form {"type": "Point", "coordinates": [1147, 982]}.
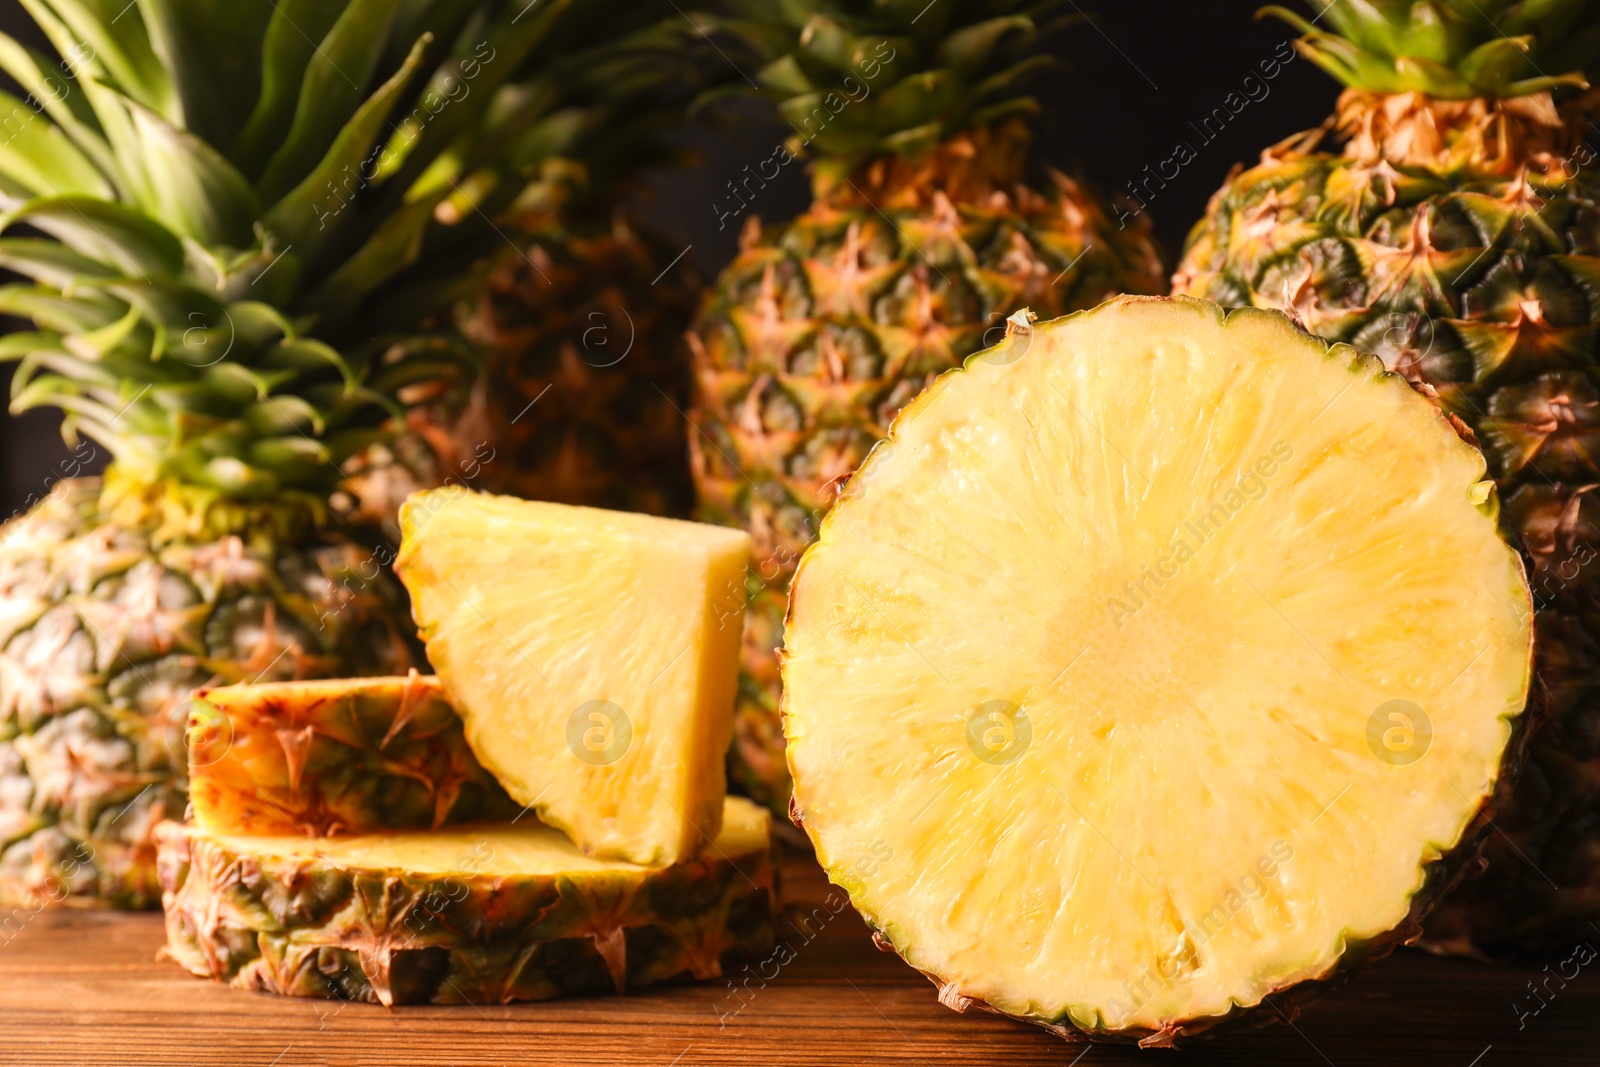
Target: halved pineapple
{"type": "Point", "coordinates": [593, 656]}
{"type": "Point", "coordinates": [349, 756]}
{"type": "Point", "coordinates": [479, 914]}
{"type": "Point", "coordinates": [1152, 666]}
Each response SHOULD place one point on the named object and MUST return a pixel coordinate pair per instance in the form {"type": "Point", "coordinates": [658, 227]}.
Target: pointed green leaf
{"type": "Point", "coordinates": [291, 41]}
{"type": "Point", "coordinates": [305, 219]}
{"type": "Point", "coordinates": [106, 232]}
{"type": "Point", "coordinates": [970, 47]}
{"type": "Point", "coordinates": [212, 52]}
{"type": "Point", "coordinates": [1495, 64]}
{"type": "Point", "coordinates": [108, 38]}
{"type": "Point", "coordinates": [283, 415]}
{"type": "Point", "coordinates": [57, 313]}
{"type": "Point", "coordinates": [333, 88]}
{"type": "Point", "coordinates": [394, 247]}
{"type": "Point", "coordinates": [194, 190]}
{"type": "Point", "coordinates": [55, 89]}
{"type": "Point", "coordinates": [506, 45]}
{"type": "Point", "coordinates": [49, 263]}
{"type": "Point", "coordinates": [34, 153]}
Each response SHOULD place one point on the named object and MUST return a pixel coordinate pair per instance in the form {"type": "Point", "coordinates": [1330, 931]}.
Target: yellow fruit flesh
{"type": "Point", "coordinates": [526, 849]}
{"type": "Point", "coordinates": [1090, 796]}
{"type": "Point", "coordinates": [593, 657]}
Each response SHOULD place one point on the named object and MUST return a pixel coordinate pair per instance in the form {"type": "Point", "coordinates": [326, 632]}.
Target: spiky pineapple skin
{"type": "Point", "coordinates": [582, 325]}
{"type": "Point", "coordinates": [824, 328]}
{"type": "Point", "coordinates": [281, 926]}
{"type": "Point", "coordinates": [354, 756]}
{"type": "Point", "coordinates": [106, 633]}
{"type": "Point", "coordinates": [1483, 283]}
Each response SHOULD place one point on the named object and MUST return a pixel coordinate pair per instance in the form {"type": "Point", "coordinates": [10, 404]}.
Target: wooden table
{"type": "Point", "coordinates": [87, 988]}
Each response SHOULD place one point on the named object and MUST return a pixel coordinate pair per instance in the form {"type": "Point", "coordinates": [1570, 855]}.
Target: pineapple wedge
{"type": "Point", "coordinates": [479, 914]}
{"type": "Point", "coordinates": [348, 756]}
{"type": "Point", "coordinates": [593, 656]}
{"type": "Point", "coordinates": [1159, 662]}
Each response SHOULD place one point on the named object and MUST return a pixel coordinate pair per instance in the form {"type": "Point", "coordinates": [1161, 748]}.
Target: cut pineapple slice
{"type": "Point", "coordinates": [1149, 667]}
{"type": "Point", "coordinates": [479, 914]}
{"type": "Point", "coordinates": [593, 655]}
{"type": "Point", "coordinates": [346, 756]}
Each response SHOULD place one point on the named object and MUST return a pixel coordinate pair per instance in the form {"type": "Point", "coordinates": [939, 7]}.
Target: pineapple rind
{"type": "Point", "coordinates": [477, 914]}
{"type": "Point", "coordinates": [1442, 859]}
{"type": "Point", "coordinates": [339, 757]}
{"type": "Point", "coordinates": [106, 635]}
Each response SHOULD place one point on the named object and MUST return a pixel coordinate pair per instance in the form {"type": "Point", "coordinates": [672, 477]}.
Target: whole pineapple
{"type": "Point", "coordinates": [230, 196]}
{"type": "Point", "coordinates": [922, 240]}
{"type": "Point", "coordinates": [1455, 236]}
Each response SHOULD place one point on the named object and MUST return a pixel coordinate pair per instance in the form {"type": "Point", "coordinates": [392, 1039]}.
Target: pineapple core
{"type": "Point", "coordinates": [1147, 666]}
{"type": "Point", "coordinates": [593, 656]}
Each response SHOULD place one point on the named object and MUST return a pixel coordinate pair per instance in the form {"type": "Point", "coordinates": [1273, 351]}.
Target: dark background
{"type": "Point", "coordinates": [1140, 80]}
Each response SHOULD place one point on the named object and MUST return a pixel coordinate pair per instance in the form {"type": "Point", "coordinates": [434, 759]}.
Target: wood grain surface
{"type": "Point", "coordinates": [88, 988]}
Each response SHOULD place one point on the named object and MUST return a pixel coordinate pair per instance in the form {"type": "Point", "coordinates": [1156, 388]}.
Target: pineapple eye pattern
{"type": "Point", "coordinates": [998, 732]}
{"type": "Point", "coordinates": [207, 732]}
{"type": "Point", "coordinates": [599, 732]}
{"type": "Point", "coordinates": [1399, 732]}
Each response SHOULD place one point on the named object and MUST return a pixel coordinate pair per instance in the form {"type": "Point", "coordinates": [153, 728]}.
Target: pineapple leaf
{"type": "Point", "coordinates": [785, 76]}
{"type": "Point", "coordinates": [100, 37]}
{"type": "Point", "coordinates": [195, 191]}
{"type": "Point", "coordinates": [57, 313]}
{"type": "Point", "coordinates": [212, 52]}
{"type": "Point", "coordinates": [104, 231]}
{"type": "Point", "coordinates": [303, 217]}
{"type": "Point", "coordinates": [331, 92]}
{"type": "Point", "coordinates": [1495, 64]}
{"type": "Point", "coordinates": [510, 39]}
{"type": "Point", "coordinates": [284, 415]}
{"type": "Point", "coordinates": [37, 155]}
{"type": "Point", "coordinates": [968, 49]}
{"type": "Point", "coordinates": [56, 93]}
{"type": "Point", "coordinates": [290, 42]}
{"type": "Point", "coordinates": [1449, 49]}
{"type": "Point", "coordinates": [394, 247]}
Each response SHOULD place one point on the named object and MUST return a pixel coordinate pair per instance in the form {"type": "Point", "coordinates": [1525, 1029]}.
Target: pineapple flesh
{"type": "Point", "coordinates": [592, 655]}
{"type": "Point", "coordinates": [1446, 224]}
{"type": "Point", "coordinates": [475, 914]}
{"type": "Point", "coordinates": [923, 237]}
{"type": "Point", "coordinates": [1157, 662]}
{"type": "Point", "coordinates": [336, 757]}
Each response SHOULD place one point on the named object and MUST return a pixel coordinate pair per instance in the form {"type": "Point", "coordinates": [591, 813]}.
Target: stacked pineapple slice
{"type": "Point", "coordinates": [349, 839]}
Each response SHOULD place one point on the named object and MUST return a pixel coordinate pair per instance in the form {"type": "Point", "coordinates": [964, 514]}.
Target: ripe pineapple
{"type": "Point", "coordinates": [351, 756]}
{"type": "Point", "coordinates": [1157, 663]}
{"type": "Point", "coordinates": [593, 656]}
{"type": "Point", "coordinates": [234, 249]}
{"type": "Point", "coordinates": [1454, 236]}
{"type": "Point", "coordinates": [921, 240]}
{"type": "Point", "coordinates": [477, 915]}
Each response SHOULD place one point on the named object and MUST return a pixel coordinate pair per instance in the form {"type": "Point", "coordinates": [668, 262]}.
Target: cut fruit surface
{"type": "Point", "coordinates": [1152, 667]}
{"type": "Point", "coordinates": [348, 756]}
{"type": "Point", "coordinates": [593, 656]}
{"type": "Point", "coordinates": [474, 914]}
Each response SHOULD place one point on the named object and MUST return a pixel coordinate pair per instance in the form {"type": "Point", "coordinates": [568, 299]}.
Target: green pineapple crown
{"type": "Point", "coordinates": [858, 80]}
{"type": "Point", "coordinates": [1452, 49]}
{"type": "Point", "coordinates": [247, 208]}
{"type": "Point", "coordinates": [595, 118]}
